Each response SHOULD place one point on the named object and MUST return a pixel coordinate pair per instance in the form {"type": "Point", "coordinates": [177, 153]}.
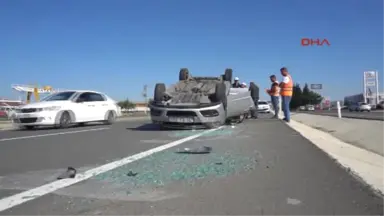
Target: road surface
{"type": "Point", "coordinates": [258, 167]}
{"type": "Point", "coordinates": [373, 115]}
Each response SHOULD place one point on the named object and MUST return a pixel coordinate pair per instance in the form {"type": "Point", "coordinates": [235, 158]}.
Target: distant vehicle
{"type": "Point", "coordinates": [263, 107]}
{"type": "Point", "coordinates": [3, 114]}
{"type": "Point", "coordinates": [205, 102]}
{"type": "Point", "coordinates": [302, 108]}
{"type": "Point", "coordinates": [380, 105]}
{"type": "Point", "coordinates": [310, 107]}
{"type": "Point", "coordinates": [359, 107]}
{"type": "Point", "coordinates": [66, 108]}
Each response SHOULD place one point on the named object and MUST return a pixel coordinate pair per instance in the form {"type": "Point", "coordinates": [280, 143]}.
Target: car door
{"type": "Point", "coordinates": [83, 108]}
{"type": "Point", "coordinates": [99, 105]}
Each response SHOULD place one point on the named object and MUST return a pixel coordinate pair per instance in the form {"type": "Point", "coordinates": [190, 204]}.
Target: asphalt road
{"type": "Point", "coordinates": [258, 167]}
{"type": "Point", "coordinates": [373, 115]}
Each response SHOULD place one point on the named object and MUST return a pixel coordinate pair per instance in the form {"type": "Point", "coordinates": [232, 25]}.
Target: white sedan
{"type": "Point", "coordinates": [263, 107]}
{"type": "Point", "coordinates": [66, 108]}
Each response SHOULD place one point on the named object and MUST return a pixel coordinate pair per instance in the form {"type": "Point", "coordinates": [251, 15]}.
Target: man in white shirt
{"type": "Point", "coordinates": [286, 92]}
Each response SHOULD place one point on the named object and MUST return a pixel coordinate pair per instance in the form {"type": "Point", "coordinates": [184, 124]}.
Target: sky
{"type": "Point", "coordinates": [118, 46]}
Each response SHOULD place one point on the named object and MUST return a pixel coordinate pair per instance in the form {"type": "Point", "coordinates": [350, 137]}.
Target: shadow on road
{"type": "Point", "coordinates": [150, 127]}
{"type": "Point", "coordinates": [43, 128]}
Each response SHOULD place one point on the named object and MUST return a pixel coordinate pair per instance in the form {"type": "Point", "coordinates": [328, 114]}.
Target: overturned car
{"type": "Point", "coordinates": [202, 102]}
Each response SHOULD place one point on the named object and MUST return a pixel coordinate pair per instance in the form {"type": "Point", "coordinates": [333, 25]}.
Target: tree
{"type": "Point", "coordinates": [315, 98]}
{"type": "Point", "coordinates": [126, 104]}
{"type": "Point", "coordinates": [296, 100]}
{"type": "Point", "coordinates": [306, 95]}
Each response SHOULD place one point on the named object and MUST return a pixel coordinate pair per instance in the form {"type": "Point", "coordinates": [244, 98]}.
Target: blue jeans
{"type": "Point", "coordinates": [286, 100]}
{"type": "Point", "coordinates": [275, 104]}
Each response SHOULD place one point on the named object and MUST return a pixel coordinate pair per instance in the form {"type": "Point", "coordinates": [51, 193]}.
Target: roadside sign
{"type": "Point", "coordinates": [316, 86]}
{"type": "Point", "coordinates": [370, 74]}
{"type": "Point", "coordinates": [370, 83]}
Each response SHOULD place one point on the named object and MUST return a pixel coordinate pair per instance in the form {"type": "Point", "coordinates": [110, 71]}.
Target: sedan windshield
{"type": "Point", "coordinates": [262, 103]}
{"type": "Point", "coordinates": [61, 96]}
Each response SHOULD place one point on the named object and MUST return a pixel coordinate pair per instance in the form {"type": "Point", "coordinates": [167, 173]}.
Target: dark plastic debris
{"type": "Point", "coordinates": [131, 174]}
{"type": "Point", "coordinates": [199, 150]}
{"type": "Point", "coordinates": [70, 173]}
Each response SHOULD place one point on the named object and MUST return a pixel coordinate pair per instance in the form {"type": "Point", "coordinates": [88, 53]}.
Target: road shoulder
{"type": "Point", "coordinates": [367, 134]}
{"type": "Point", "coordinates": [365, 164]}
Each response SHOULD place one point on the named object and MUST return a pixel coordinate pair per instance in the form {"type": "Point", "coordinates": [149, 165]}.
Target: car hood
{"type": "Point", "coordinates": [45, 104]}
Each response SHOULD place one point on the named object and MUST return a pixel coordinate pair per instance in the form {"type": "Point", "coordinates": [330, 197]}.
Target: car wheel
{"type": "Point", "coordinates": [183, 74]}
{"type": "Point", "coordinates": [220, 94]}
{"type": "Point", "coordinates": [111, 118]}
{"type": "Point", "coordinates": [65, 120]}
{"type": "Point", "coordinates": [159, 92]}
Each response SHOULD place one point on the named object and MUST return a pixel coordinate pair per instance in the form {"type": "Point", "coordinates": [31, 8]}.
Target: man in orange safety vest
{"type": "Point", "coordinates": [286, 92]}
{"type": "Point", "coordinates": [274, 92]}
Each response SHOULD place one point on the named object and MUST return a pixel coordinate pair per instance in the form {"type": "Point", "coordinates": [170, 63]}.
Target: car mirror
{"type": "Point", "coordinates": [79, 100]}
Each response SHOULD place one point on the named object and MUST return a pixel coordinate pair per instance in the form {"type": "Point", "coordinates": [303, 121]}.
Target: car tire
{"type": "Point", "coordinates": [228, 75]}
{"type": "Point", "coordinates": [159, 92]}
{"type": "Point", "coordinates": [183, 74]}
{"type": "Point", "coordinates": [65, 120]}
{"type": "Point", "coordinates": [220, 94]}
{"type": "Point", "coordinates": [111, 118]}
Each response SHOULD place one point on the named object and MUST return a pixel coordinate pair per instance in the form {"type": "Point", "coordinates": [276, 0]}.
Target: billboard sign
{"type": "Point", "coordinates": [317, 86]}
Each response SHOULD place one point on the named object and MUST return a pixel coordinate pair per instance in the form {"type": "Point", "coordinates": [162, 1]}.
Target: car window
{"type": "Point", "coordinates": [262, 103]}
{"type": "Point", "coordinates": [363, 104]}
{"type": "Point", "coordinates": [61, 96]}
{"type": "Point", "coordinates": [96, 97]}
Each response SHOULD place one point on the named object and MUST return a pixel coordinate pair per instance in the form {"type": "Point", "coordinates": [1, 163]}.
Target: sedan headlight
{"type": "Point", "coordinates": [52, 108]}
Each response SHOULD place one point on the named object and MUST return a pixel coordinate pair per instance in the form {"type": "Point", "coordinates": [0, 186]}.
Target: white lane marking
{"type": "Point", "coordinates": [52, 134]}
{"type": "Point", "coordinates": [17, 199]}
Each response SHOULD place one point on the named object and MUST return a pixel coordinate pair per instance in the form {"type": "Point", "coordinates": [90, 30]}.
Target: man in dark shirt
{"type": "Point", "coordinates": [256, 97]}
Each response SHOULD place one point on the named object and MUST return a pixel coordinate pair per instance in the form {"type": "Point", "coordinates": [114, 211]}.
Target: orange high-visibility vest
{"type": "Point", "coordinates": [277, 92]}
{"type": "Point", "coordinates": [287, 88]}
